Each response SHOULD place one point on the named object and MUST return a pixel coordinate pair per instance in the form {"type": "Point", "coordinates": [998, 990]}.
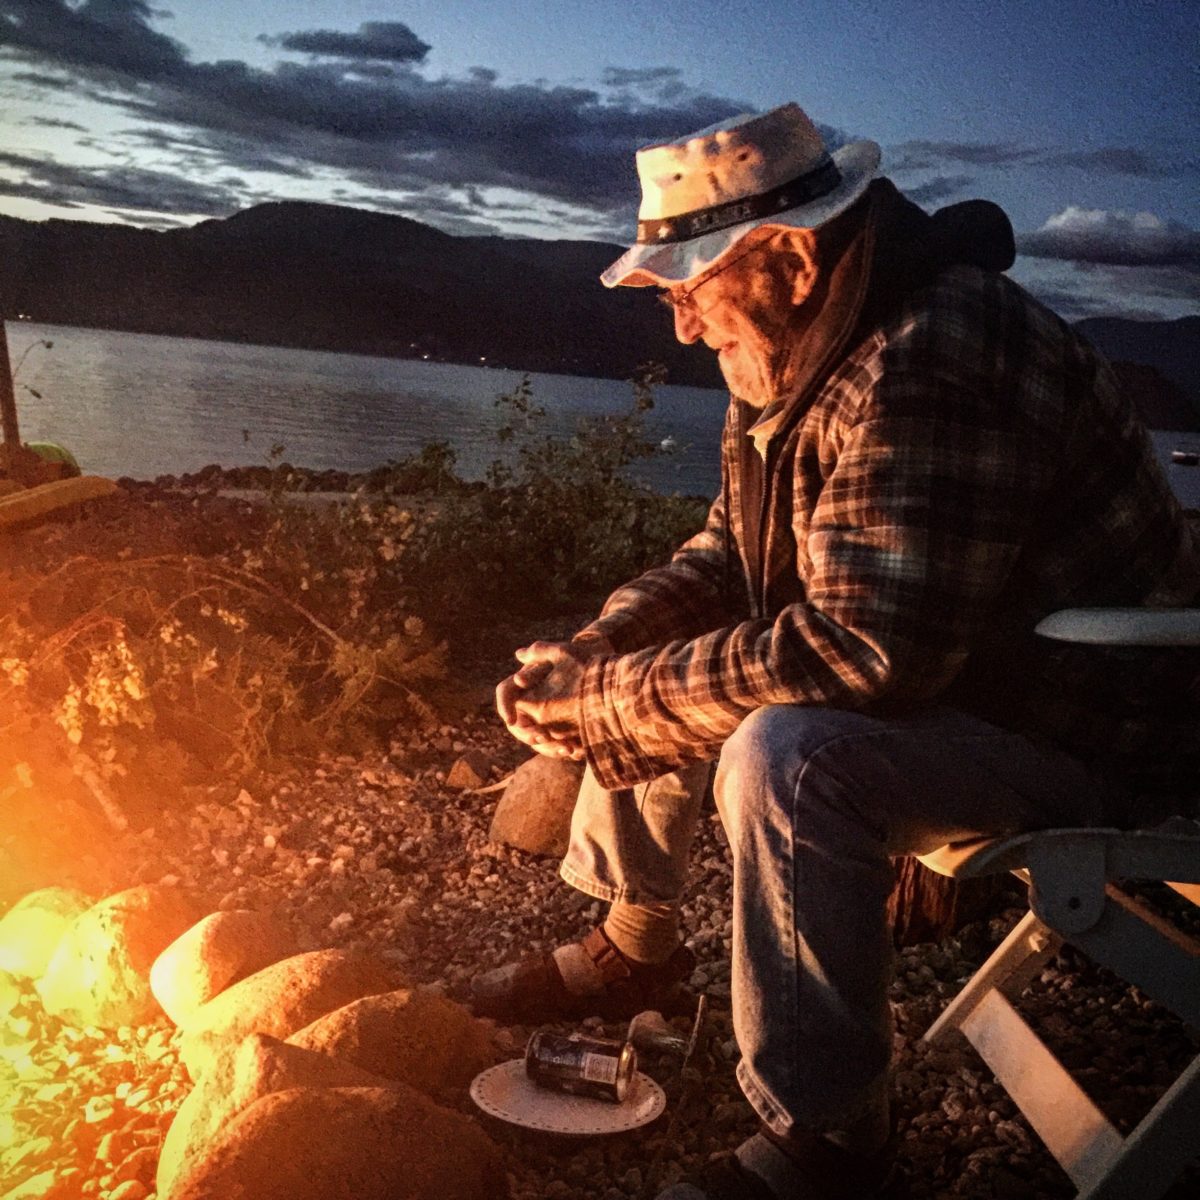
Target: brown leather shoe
{"type": "Point", "coordinates": [533, 990]}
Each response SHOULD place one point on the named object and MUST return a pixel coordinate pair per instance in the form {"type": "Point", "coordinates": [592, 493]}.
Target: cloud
{"type": "Point", "coordinates": [1136, 293]}
{"type": "Point", "coordinates": [1114, 160]}
{"type": "Point", "coordinates": [401, 130]}
{"type": "Point", "coordinates": [377, 41]}
{"type": "Point", "coordinates": [940, 188]}
{"type": "Point", "coordinates": [117, 187]}
{"type": "Point", "coordinates": [207, 153]}
{"type": "Point", "coordinates": [1106, 160]}
{"type": "Point", "coordinates": [40, 79]}
{"type": "Point", "coordinates": [1071, 303]}
{"type": "Point", "coordinates": [931, 155]}
{"type": "Point", "coordinates": [1095, 235]}
{"type": "Point", "coordinates": [98, 35]}
{"type": "Point", "coordinates": [56, 123]}
{"type": "Point", "coordinates": [641, 76]}
{"type": "Point", "coordinates": [638, 84]}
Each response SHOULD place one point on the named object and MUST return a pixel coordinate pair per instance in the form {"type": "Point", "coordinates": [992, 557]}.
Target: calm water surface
{"type": "Point", "coordinates": [141, 405]}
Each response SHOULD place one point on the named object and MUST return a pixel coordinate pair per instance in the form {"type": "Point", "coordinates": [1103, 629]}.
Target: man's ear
{"type": "Point", "coordinates": [798, 249]}
{"type": "Point", "coordinates": [801, 247]}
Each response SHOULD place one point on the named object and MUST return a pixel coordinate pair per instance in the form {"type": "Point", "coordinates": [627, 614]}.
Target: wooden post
{"type": "Point", "coordinates": [15, 461]}
{"type": "Point", "coordinates": [8, 399]}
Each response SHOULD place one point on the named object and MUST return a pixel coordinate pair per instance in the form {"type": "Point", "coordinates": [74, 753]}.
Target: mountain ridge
{"type": "Point", "coordinates": [331, 277]}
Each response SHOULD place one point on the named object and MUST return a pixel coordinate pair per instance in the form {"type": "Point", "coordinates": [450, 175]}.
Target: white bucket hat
{"type": "Point", "coordinates": [703, 194]}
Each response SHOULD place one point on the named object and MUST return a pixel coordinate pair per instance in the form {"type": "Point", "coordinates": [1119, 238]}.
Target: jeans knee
{"type": "Point", "coordinates": [763, 736]}
{"type": "Point", "coordinates": [763, 762]}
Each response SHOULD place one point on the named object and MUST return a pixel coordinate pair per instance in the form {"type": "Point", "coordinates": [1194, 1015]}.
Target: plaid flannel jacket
{"type": "Point", "coordinates": [968, 468]}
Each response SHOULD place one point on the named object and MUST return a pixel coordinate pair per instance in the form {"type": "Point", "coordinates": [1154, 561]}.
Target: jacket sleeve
{"type": "Point", "coordinates": [914, 534]}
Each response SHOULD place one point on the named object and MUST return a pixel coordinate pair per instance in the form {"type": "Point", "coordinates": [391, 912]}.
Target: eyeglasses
{"type": "Point", "coordinates": [683, 300]}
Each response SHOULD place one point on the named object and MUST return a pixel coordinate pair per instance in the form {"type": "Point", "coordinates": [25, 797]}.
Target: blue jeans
{"type": "Point", "coordinates": [816, 802]}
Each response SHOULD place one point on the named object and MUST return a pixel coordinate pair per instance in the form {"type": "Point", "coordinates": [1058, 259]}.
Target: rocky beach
{"type": "Point", "coordinates": [372, 847]}
{"type": "Point", "coordinates": [384, 856]}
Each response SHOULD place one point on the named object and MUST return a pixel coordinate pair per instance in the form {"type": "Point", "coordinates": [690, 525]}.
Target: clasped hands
{"type": "Point", "coordinates": [539, 703]}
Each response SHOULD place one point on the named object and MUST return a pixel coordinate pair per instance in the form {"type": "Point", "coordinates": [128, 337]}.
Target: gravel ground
{"type": "Point", "coordinates": [381, 855]}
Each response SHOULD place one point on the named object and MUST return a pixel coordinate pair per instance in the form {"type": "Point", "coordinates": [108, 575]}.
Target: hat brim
{"type": "Point", "coordinates": [677, 262]}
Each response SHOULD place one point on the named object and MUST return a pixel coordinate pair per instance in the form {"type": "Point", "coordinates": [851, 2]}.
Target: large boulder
{"type": "Point", "coordinates": [256, 1067]}
{"type": "Point", "coordinates": [31, 930]}
{"type": "Point", "coordinates": [279, 1000]}
{"type": "Point", "coordinates": [418, 1037]}
{"type": "Point", "coordinates": [216, 952]}
{"type": "Point", "coordinates": [100, 971]}
{"type": "Point", "coordinates": [534, 812]}
{"type": "Point", "coordinates": [347, 1144]}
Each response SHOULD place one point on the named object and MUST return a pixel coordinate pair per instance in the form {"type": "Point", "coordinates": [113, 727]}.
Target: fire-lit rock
{"type": "Point", "coordinates": [45, 1186]}
{"type": "Point", "coordinates": [256, 1067]}
{"type": "Point", "coordinates": [30, 931]}
{"type": "Point", "coordinates": [418, 1037]}
{"type": "Point", "coordinates": [534, 813]}
{"type": "Point", "coordinates": [218, 951]}
{"type": "Point", "coordinates": [131, 1189]}
{"type": "Point", "coordinates": [279, 1000]}
{"type": "Point", "coordinates": [100, 971]}
{"type": "Point", "coordinates": [348, 1144]}
{"type": "Point", "coordinates": [471, 770]}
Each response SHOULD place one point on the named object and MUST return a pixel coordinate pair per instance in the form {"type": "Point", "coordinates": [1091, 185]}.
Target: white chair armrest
{"type": "Point", "coordinates": [1124, 626]}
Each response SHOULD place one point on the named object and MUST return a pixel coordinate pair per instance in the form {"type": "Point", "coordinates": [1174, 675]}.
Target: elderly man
{"type": "Point", "coordinates": [919, 463]}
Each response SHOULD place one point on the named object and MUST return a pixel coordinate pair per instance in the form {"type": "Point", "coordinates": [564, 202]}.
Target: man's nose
{"type": "Point", "coordinates": [689, 325]}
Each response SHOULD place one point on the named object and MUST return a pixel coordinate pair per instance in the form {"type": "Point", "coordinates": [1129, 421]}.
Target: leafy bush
{"type": "Point", "coordinates": [557, 525]}
{"type": "Point", "coordinates": [170, 637]}
{"type": "Point", "coordinates": [172, 640]}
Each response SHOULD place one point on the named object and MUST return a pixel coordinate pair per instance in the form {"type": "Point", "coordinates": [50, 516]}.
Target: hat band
{"type": "Point", "coordinates": [812, 185]}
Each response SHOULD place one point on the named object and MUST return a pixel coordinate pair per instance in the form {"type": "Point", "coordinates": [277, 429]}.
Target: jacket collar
{"type": "Point", "coordinates": [895, 249]}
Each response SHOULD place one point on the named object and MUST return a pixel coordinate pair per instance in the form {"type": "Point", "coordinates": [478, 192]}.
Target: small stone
{"type": "Point", "coordinates": [131, 1189]}
{"type": "Point", "coordinates": [469, 771]}
{"type": "Point", "coordinates": [138, 1166]}
{"type": "Point", "coordinates": [40, 1187]}
{"type": "Point", "coordinates": [534, 813]}
{"type": "Point", "coordinates": [97, 1109]}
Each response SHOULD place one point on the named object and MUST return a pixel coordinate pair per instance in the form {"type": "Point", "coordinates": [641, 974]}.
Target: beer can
{"type": "Point", "coordinates": [581, 1065]}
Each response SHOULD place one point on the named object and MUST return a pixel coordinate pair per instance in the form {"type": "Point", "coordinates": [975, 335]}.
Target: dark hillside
{"type": "Point", "coordinates": [326, 277]}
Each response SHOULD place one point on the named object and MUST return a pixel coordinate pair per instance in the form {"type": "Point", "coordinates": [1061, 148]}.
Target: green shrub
{"type": "Point", "coordinates": [556, 526]}
{"type": "Point", "coordinates": [170, 640]}
{"type": "Point", "coordinates": [167, 637]}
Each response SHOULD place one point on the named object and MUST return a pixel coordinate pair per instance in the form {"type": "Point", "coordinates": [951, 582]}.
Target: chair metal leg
{"type": "Point", "coordinates": [1152, 1156]}
{"type": "Point", "coordinates": [1074, 1130]}
{"type": "Point", "coordinates": [1011, 968]}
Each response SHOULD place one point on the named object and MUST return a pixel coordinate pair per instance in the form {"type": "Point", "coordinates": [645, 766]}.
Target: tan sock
{"type": "Point", "coordinates": [646, 933]}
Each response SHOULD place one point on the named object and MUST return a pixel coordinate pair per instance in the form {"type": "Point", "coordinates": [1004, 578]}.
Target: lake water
{"type": "Point", "coordinates": [142, 405]}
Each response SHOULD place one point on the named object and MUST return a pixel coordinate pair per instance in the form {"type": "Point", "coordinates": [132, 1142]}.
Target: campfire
{"type": "Point", "coordinates": [149, 1049]}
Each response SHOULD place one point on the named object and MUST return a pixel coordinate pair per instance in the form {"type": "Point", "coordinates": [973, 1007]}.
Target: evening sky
{"type": "Point", "coordinates": [1081, 117]}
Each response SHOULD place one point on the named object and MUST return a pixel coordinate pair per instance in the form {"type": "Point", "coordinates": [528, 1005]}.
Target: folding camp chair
{"type": "Point", "coordinates": [1073, 898]}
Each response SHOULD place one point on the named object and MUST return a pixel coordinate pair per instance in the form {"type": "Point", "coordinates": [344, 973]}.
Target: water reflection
{"type": "Point", "coordinates": [141, 405]}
